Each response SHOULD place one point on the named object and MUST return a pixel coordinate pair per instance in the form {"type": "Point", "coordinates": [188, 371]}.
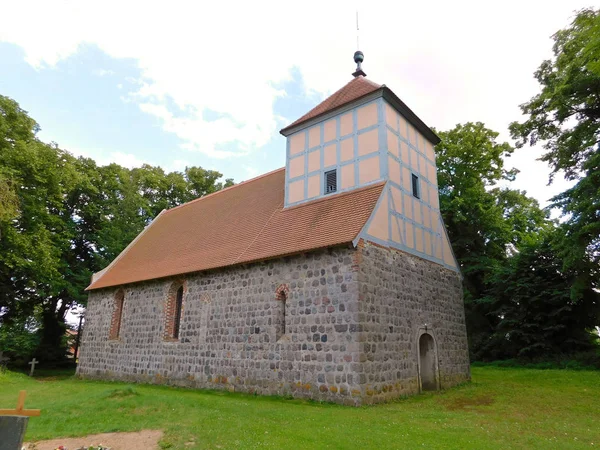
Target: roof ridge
{"type": "Point", "coordinates": [225, 189]}
{"type": "Point", "coordinates": [338, 195]}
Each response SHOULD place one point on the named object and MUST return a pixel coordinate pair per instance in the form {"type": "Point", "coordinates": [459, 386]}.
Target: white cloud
{"type": "Point", "coordinates": [450, 62]}
{"type": "Point", "coordinates": [103, 72]}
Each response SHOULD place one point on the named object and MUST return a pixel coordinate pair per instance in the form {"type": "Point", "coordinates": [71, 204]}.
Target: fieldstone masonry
{"type": "Point", "coordinates": [400, 298]}
{"type": "Point", "coordinates": [352, 322]}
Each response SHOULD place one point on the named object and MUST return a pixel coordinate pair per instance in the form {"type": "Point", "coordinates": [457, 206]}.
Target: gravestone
{"type": "Point", "coordinates": [12, 432]}
{"type": "Point", "coordinates": [13, 423]}
{"type": "Point", "coordinates": [3, 359]}
{"type": "Point", "coordinates": [32, 363]}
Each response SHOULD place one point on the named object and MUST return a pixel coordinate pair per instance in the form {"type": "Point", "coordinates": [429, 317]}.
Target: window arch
{"type": "Point", "coordinates": [281, 295]}
{"type": "Point", "coordinates": [117, 316]}
{"type": "Point", "coordinates": [174, 310]}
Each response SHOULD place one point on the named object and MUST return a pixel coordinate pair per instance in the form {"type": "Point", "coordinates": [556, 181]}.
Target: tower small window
{"type": "Point", "coordinates": [330, 181]}
{"type": "Point", "coordinates": [415, 186]}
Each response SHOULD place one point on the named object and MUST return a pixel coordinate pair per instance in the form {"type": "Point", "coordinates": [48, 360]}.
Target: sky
{"type": "Point", "coordinates": [210, 84]}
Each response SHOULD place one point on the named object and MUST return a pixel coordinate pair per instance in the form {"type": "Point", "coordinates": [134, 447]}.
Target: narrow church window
{"type": "Point", "coordinates": [281, 319]}
{"type": "Point", "coordinates": [174, 310]}
{"type": "Point", "coordinates": [415, 186]}
{"type": "Point", "coordinates": [178, 305]}
{"type": "Point", "coordinates": [330, 181]}
{"type": "Point", "coordinates": [115, 326]}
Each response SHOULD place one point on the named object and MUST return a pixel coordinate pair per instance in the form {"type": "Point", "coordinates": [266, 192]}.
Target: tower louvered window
{"type": "Point", "coordinates": [330, 181]}
{"type": "Point", "coordinates": [415, 186]}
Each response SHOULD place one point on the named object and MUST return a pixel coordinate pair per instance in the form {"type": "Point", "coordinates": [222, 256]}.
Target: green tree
{"type": "Point", "coordinates": [64, 218]}
{"type": "Point", "coordinates": [530, 295]}
{"type": "Point", "coordinates": [565, 118]}
{"type": "Point", "coordinates": [485, 223]}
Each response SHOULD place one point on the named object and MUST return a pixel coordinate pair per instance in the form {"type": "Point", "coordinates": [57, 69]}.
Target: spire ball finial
{"type": "Point", "coordinates": [359, 57]}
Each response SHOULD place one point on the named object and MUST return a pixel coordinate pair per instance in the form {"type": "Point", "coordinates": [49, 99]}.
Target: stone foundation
{"type": "Point", "coordinates": [337, 325]}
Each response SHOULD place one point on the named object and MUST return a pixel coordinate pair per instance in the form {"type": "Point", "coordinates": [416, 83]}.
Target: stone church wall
{"type": "Point", "coordinates": [229, 331]}
{"type": "Point", "coordinates": [400, 297]}
{"type": "Point", "coordinates": [353, 319]}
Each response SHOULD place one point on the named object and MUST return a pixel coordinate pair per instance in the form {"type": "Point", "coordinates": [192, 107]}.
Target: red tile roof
{"type": "Point", "coordinates": [240, 224]}
{"type": "Point", "coordinates": [355, 89]}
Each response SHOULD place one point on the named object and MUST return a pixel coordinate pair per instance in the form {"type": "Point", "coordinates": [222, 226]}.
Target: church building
{"type": "Point", "coordinates": [331, 278]}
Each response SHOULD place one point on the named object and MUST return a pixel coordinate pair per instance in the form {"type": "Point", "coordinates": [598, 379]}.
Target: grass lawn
{"type": "Point", "coordinates": [501, 408]}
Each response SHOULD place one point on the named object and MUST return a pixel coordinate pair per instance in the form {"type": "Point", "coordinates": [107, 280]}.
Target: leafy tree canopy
{"type": "Point", "coordinates": [565, 118]}
{"type": "Point", "coordinates": [63, 218]}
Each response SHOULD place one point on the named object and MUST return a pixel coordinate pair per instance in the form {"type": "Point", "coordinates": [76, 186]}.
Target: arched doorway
{"type": "Point", "coordinates": [427, 363]}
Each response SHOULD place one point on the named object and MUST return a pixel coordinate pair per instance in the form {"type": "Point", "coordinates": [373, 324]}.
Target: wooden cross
{"type": "Point", "coordinates": [19, 410]}
{"type": "Point", "coordinates": [32, 364]}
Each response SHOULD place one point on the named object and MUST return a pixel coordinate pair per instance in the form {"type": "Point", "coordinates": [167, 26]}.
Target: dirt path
{"type": "Point", "coordinates": [142, 440]}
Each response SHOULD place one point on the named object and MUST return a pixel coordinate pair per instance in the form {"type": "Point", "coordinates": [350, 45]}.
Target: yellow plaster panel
{"type": "Point", "coordinates": [448, 258]}
{"type": "Point", "coordinates": [421, 165]}
{"type": "Point", "coordinates": [410, 239]}
{"type": "Point", "coordinates": [425, 193]}
{"type": "Point", "coordinates": [412, 138]}
{"type": "Point", "coordinates": [347, 150]}
{"type": "Point", "coordinates": [391, 117]}
{"type": "Point", "coordinates": [429, 150]}
{"type": "Point", "coordinates": [431, 175]}
{"type": "Point", "coordinates": [434, 201]}
{"type": "Point", "coordinates": [314, 187]}
{"type": "Point", "coordinates": [394, 168]}
{"type": "Point", "coordinates": [296, 167]}
{"type": "Point", "coordinates": [417, 211]}
{"type": "Point", "coordinates": [404, 153]}
{"type": "Point", "coordinates": [396, 236]}
{"type": "Point", "coordinates": [406, 183]}
{"type": "Point", "coordinates": [428, 243]}
{"type": "Point", "coordinates": [367, 116]}
{"type": "Point", "coordinates": [330, 130]}
{"type": "Point", "coordinates": [314, 136]}
{"type": "Point", "coordinates": [348, 176]}
{"type": "Point", "coordinates": [368, 170]}
{"type": "Point", "coordinates": [397, 198]}
{"type": "Point", "coordinates": [329, 156]}
{"type": "Point", "coordinates": [296, 191]}
{"type": "Point", "coordinates": [426, 217]}
{"type": "Point", "coordinates": [419, 239]}
{"type": "Point", "coordinates": [402, 129]}
{"type": "Point", "coordinates": [437, 246]}
{"type": "Point", "coordinates": [379, 220]}
{"type": "Point", "coordinates": [392, 144]}
{"type": "Point", "coordinates": [297, 143]}
{"type": "Point", "coordinates": [314, 160]}
{"type": "Point", "coordinates": [407, 205]}
{"type": "Point", "coordinates": [346, 124]}
{"type": "Point", "coordinates": [368, 142]}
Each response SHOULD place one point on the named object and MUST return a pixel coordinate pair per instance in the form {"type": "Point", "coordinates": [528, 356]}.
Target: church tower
{"type": "Point", "coordinates": [361, 135]}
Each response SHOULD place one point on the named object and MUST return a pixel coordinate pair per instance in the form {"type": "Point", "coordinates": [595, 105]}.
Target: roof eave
{"type": "Point", "coordinates": [400, 106]}
{"type": "Point", "coordinates": [291, 129]}
{"type": "Point", "coordinates": [387, 95]}
{"type": "Point", "coordinates": [96, 277]}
